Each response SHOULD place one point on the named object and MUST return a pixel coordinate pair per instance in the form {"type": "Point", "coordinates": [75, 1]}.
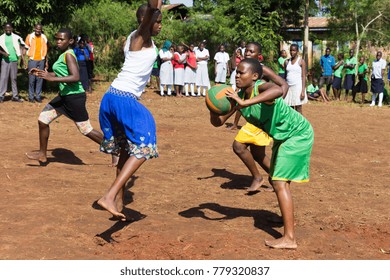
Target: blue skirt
{"type": "Point", "coordinates": [128, 124]}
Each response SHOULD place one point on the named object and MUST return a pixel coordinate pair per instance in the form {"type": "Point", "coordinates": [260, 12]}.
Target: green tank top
{"type": "Point", "coordinates": [278, 119]}
{"type": "Point", "coordinates": [60, 68]}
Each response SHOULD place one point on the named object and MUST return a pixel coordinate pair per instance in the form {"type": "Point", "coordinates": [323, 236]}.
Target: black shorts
{"type": "Point", "coordinates": [156, 72]}
{"type": "Point", "coordinates": [336, 83]}
{"type": "Point", "coordinates": [72, 105]}
{"type": "Point", "coordinates": [315, 94]}
{"type": "Point", "coordinates": [361, 86]}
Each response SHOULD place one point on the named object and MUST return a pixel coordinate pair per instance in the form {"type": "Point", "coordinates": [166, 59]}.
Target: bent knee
{"type": "Point", "coordinates": [84, 127]}
{"type": "Point", "coordinates": [238, 147]}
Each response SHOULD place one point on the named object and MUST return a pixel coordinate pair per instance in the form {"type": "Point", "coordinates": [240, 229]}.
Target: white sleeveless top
{"type": "Point", "coordinates": [136, 69]}
{"type": "Point", "coordinates": [294, 72]}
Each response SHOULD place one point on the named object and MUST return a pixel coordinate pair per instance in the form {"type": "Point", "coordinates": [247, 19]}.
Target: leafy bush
{"type": "Point", "coordinates": [107, 24]}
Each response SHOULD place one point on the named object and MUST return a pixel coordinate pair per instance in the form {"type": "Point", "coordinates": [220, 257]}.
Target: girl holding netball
{"type": "Point", "coordinates": [261, 104]}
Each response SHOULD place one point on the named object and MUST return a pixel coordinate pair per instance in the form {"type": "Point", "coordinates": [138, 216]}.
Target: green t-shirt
{"type": "Point", "coordinates": [281, 61]}
{"type": "Point", "coordinates": [350, 61]}
{"type": "Point", "coordinates": [361, 70]}
{"type": "Point", "coordinates": [60, 68]}
{"type": "Point", "coordinates": [312, 89]}
{"type": "Point", "coordinates": [13, 57]}
{"type": "Point", "coordinates": [339, 71]}
{"type": "Point", "coordinates": [278, 119]}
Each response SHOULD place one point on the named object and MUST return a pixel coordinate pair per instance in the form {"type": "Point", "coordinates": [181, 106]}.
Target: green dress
{"type": "Point", "coordinates": [293, 137]}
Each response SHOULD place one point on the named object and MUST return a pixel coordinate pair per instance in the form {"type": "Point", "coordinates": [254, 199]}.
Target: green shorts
{"type": "Point", "coordinates": [291, 158]}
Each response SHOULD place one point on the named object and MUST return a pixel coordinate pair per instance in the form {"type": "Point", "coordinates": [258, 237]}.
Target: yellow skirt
{"type": "Point", "coordinates": [250, 134]}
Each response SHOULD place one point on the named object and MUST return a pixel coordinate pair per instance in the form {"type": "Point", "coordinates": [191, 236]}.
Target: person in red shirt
{"type": "Point", "coordinates": [179, 58]}
{"type": "Point", "coordinates": [190, 70]}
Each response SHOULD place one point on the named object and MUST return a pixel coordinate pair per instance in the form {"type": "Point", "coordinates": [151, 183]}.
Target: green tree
{"type": "Point", "coordinates": [251, 20]}
{"type": "Point", "coordinates": [24, 14]}
{"type": "Point", "coordinates": [107, 24]}
{"type": "Point", "coordinates": [361, 21]}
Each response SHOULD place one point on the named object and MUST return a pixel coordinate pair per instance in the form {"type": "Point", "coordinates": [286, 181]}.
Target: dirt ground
{"type": "Point", "coordinates": [191, 202]}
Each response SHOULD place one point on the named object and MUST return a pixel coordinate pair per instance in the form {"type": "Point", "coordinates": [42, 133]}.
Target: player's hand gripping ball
{"type": "Point", "coordinates": [217, 101]}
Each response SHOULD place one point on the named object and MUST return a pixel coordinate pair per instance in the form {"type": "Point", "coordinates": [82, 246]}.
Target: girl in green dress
{"type": "Point", "coordinates": [261, 104]}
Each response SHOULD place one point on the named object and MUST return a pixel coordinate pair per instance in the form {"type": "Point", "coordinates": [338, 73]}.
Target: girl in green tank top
{"type": "Point", "coordinates": [66, 71]}
{"type": "Point", "coordinates": [71, 101]}
{"type": "Point", "coordinates": [261, 104]}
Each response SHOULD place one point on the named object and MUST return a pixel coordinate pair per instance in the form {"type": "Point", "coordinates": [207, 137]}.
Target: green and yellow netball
{"type": "Point", "coordinates": [217, 101]}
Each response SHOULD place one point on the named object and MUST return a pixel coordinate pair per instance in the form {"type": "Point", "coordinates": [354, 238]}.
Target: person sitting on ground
{"type": "Point", "coordinates": [313, 92]}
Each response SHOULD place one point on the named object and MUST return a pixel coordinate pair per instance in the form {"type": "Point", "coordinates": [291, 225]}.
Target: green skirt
{"type": "Point", "coordinates": [291, 158]}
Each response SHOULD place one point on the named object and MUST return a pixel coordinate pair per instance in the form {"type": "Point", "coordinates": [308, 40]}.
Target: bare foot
{"type": "Point", "coordinates": [114, 160]}
{"type": "Point", "coordinates": [119, 203]}
{"type": "Point", "coordinates": [282, 243]}
{"type": "Point", "coordinates": [256, 184]}
{"type": "Point", "coordinates": [233, 127]}
{"type": "Point", "coordinates": [111, 207]}
{"type": "Point", "coordinates": [39, 156]}
{"type": "Point", "coordinates": [270, 189]}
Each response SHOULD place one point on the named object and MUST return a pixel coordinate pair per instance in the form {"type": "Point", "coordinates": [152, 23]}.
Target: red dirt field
{"type": "Point", "coordinates": [191, 203]}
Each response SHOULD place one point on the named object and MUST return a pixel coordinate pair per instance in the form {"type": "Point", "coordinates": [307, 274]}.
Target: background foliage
{"type": "Point", "coordinates": [107, 23]}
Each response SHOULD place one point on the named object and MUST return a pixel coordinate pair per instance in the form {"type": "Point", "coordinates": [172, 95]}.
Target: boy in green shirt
{"type": "Point", "coordinates": [281, 60]}
{"type": "Point", "coordinates": [338, 76]}
{"type": "Point", "coordinates": [349, 65]}
{"type": "Point", "coordinates": [11, 48]}
{"type": "Point", "coordinates": [361, 86]}
{"type": "Point", "coordinates": [313, 92]}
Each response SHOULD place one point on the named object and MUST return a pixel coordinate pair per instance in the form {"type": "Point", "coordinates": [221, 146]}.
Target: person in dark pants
{"type": "Point", "coordinates": [82, 55]}
{"type": "Point", "coordinates": [11, 48]}
{"type": "Point", "coordinates": [327, 62]}
{"type": "Point", "coordinates": [37, 44]}
{"type": "Point", "coordinates": [349, 79]}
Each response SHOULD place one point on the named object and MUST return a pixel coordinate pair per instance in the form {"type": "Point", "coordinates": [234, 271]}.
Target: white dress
{"type": "Point", "coordinates": [166, 68]}
{"type": "Point", "coordinates": [202, 72]}
{"type": "Point", "coordinates": [221, 58]}
{"type": "Point", "coordinates": [294, 81]}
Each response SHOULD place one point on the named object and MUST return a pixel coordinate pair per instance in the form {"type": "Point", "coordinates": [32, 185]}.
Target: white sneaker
{"type": "Point", "coordinates": [372, 104]}
{"type": "Point", "coordinates": [203, 94]}
{"type": "Point", "coordinates": [198, 94]}
{"type": "Point", "coordinates": [380, 105]}
{"type": "Point", "coordinates": [193, 94]}
{"type": "Point", "coordinates": [162, 94]}
{"type": "Point", "coordinates": [187, 94]}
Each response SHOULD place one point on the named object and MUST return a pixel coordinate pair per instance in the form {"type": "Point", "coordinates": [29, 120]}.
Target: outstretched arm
{"type": "Point", "coordinates": [269, 92]}
{"type": "Point", "coordinates": [271, 75]}
{"type": "Point", "coordinates": [144, 31]}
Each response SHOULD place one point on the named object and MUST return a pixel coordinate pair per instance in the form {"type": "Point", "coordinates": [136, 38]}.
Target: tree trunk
{"type": "Point", "coordinates": [306, 34]}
